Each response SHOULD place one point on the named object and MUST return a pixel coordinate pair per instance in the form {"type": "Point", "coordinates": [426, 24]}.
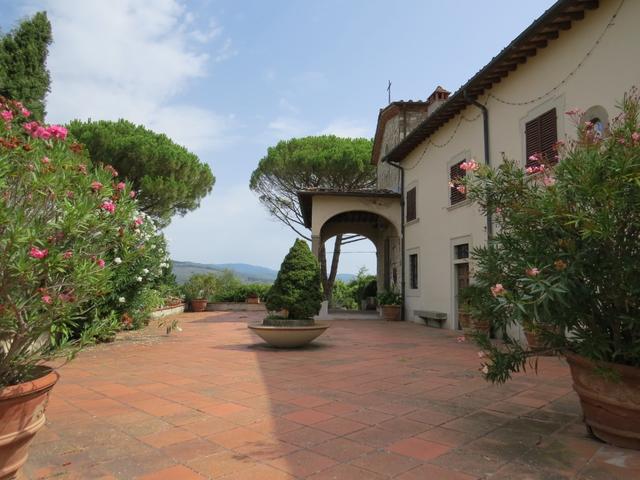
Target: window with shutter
{"type": "Point", "coordinates": [411, 205]}
{"type": "Point", "coordinates": [457, 191]}
{"type": "Point", "coordinates": [541, 136]}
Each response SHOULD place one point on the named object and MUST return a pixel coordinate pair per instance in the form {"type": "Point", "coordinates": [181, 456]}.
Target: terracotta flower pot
{"type": "Point", "coordinates": [471, 326]}
{"type": "Point", "coordinates": [253, 300]}
{"type": "Point", "coordinates": [611, 408]}
{"type": "Point", "coordinates": [199, 305]}
{"type": "Point", "coordinates": [391, 313]}
{"type": "Point", "coordinates": [22, 409]}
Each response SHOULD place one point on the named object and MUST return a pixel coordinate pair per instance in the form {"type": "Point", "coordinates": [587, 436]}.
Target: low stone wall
{"type": "Point", "coordinates": [166, 311]}
{"type": "Point", "coordinates": [236, 307]}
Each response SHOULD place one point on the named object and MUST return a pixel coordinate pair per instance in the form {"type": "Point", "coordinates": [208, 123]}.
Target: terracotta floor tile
{"type": "Point", "coordinates": [302, 463]}
{"type": "Point", "coordinates": [385, 463]}
{"type": "Point", "coordinates": [190, 449]}
{"type": "Point", "coordinates": [369, 417]}
{"type": "Point", "coordinates": [308, 401]}
{"type": "Point", "coordinates": [419, 449]}
{"type": "Point", "coordinates": [305, 437]}
{"type": "Point", "coordinates": [173, 473]}
{"type": "Point", "coordinates": [346, 472]}
{"type": "Point", "coordinates": [342, 449]}
{"type": "Point", "coordinates": [223, 409]}
{"type": "Point", "coordinates": [339, 426]}
{"type": "Point", "coordinates": [405, 426]}
{"type": "Point", "coordinates": [338, 408]}
{"type": "Point", "coordinates": [237, 437]}
{"type": "Point", "coordinates": [428, 472]}
{"type": "Point", "coordinates": [376, 436]}
{"type": "Point", "coordinates": [209, 426]}
{"type": "Point", "coordinates": [260, 472]}
{"type": "Point", "coordinates": [168, 437]}
{"type": "Point", "coordinates": [307, 417]}
{"type": "Point", "coordinates": [220, 464]}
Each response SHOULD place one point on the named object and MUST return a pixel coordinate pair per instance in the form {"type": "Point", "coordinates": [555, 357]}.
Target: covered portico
{"type": "Point", "coordinates": [374, 214]}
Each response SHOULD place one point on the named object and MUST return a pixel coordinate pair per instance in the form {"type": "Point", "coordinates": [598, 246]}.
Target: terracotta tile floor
{"type": "Point", "coordinates": [370, 400]}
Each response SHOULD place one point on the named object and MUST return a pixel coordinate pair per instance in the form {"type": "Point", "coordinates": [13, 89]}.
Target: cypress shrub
{"type": "Point", "coordinates": [297, 286]}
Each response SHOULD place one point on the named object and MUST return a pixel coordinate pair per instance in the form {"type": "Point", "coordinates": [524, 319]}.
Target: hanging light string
{"type": "Point", "coordinates": [571, 73]}
{"type": "Point", "coordinates": [430, 143]}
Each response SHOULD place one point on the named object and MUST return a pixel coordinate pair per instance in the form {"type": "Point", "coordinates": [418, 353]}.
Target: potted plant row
{"type": "Point", "coordinates": [197, 291]}
{"type": "Point", "coordinates": [293, 301]}
{"type": "Point", "coordinates": [564, 265]}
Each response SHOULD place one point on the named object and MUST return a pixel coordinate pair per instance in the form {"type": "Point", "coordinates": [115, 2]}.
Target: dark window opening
{"type": "Point", "coordinates": [541, 136]}
{"type": "Point", "coordinates": [411, 205]}
{"type": "Point", "coordinates": [413, 269]}
{"type": "Point", "coordinates": [461, 251]}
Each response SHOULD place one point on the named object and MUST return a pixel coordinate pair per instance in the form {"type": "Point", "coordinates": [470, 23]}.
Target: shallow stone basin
{"type": "Point", "coordinates": [289, 337]}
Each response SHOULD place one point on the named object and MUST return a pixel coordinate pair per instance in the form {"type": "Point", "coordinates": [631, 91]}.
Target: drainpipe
{"type": "Point", "coordinates": [402, 261]}
{"type": "Point", "coordinates": [485, 124]}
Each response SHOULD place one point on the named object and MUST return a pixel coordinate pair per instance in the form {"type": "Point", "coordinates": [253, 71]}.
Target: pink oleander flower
{"type": "Point", "coordinates": [46, 160]}
{"type": "Point", "coordinates": [533, 272]}
{"type": "Point", "coordinates": [574, 111]}
{"type": "Point", "coordinates": [462, 189]}
{"type": "Point", "coordinates": [70, 194]}
{"type": "Point", "coordinates": [549, 181]}
{"type": "Point", "coordinates": [111, 170]}
{"type": "Point", "coordinates": [101, 263]}
{"type": "Point", "coordinates": [470, 165]}
{"type": "Point", "coordinates": [24, 112]}
{"type": "Point", "coordinates": [41, 132]}
{"type": "Point", "coordinates": [30, 127]}
{"type": "Point", "coordinates": [622, 141]}
{"type": "Point", "coordinates": [58, 131]}
{"type": "Point", "coordinates": [534, 158]}
{"type": "Point", "coordinates": [7, 115]}
{"type": "Point", "coordinates": [635, 136]}
{"type": "Point", "coordinates": [38, 253]}
{"type": "Point", "coordinates": [461, 339]}
{"type": "Point", "coordinates": [96, 186]}
{"type": "Point", "coordinates": [138, 221]}
{"type": "Point", "coordinates": [67, 255]}
{"type": "Point", "coordinates": [588, 125]}
{"type": "Point", "coordinates": [485, 369]}
{"type": "Point", "coordinates": [498, 210]}
{"type": "Point", "coordinates": [481, 354]}
{"type": "Point", "coordinates": [498, 290]}
{"type": "Point", "coordinates": [46, 299]}
{"type": "Point", "coordinates": [108, 206]}
{"type": "Point", "coordinates": [132, 194]}
{"type": "Point", "coordinates": [121, 186]}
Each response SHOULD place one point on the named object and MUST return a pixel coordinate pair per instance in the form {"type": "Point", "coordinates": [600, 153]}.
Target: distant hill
{"type": "Point", "coordinates": [247, 273]}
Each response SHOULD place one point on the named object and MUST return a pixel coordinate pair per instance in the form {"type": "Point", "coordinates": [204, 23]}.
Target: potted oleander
{"type": "Point", "coordinates": [61, 222]}
{"type": "Point", "coordinates": [564, 264]}
{"type": "Point", "coordinates": [293, 301]}
{"type": "Point", "coordinates": [390, 306]}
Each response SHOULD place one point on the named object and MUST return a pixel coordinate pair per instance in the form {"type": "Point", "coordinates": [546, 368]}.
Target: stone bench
{"type": "Point", "coordinates": [430, 315]}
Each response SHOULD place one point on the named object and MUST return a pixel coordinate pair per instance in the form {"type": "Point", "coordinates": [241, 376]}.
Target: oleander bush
{"type": "Point", "coordinates": [564, 261]}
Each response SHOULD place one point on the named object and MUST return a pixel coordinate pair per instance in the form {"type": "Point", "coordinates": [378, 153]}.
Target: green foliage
{"type": "Point", "coordinates": [389, 298]}
{"type": "Point", "coordinates": [239, 293]}
{"type": "Point", "coordinates": [200, 286]}
{"type": "Point", "coordinates": [565, 259]}
{"type": "Point", "coordinates": [23, 72]}
{"type": "Point", "coordinates": [62, 225]}
{"type": "Point", "coordinates": [349, 295]}
{"type": "Point", "coordinates": [170, 180]}
{"type": "Point", "coordinates": [306, 163]}
{"type": "Point", "coordinates": [343, 296]}
{"type": "Point", "coordinates": [297, 287]}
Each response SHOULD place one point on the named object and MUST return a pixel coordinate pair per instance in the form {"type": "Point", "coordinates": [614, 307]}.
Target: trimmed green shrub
{"type": "Point", "coordinates": [297, 287]}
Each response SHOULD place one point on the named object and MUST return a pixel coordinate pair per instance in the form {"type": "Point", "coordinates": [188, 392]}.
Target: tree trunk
{"type": "Point", "coordinates": [329, 280]}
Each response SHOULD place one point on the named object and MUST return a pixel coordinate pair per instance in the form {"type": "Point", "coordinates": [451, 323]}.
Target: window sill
{"type": "Point", "coordinates": [464, 203]}
{"type": "Point", "coordinates": [412, 222]}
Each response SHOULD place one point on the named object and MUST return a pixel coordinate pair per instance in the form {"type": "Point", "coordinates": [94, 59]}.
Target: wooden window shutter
{"type": "Point", "coordinates": [541, 135]}
{"type": "Point", "coordinates": [455, 175]}
{"type": "Point", "coordinates": [411, 205]}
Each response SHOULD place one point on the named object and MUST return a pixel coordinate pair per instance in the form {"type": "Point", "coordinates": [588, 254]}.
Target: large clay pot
{"type": "Point", "coordinates": [22, 409]}
{"type": "Point", "coordinates": [253, 300]}
{"type": "Point", "coordinates": [611, 408]}
{"type": "Point", "coordinates": [471, 326]}
{"type": "Point", "coordinates": [391, 313]}
{"type": "Point", "coordinates": [199, 305]}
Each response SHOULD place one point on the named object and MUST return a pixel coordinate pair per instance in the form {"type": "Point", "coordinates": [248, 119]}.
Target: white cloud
{"type": "Point", "coordinates": [288, 127]}
{"type": "Point", "coordinates": [130, 59]}
{"type": "Point", "coordinates": [346, 128]}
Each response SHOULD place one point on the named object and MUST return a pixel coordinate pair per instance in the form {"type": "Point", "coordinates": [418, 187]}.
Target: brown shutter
{"type": "Point", "coordinates": [411, 205]}
{"type": "Point", "coordinates": [541, 134]}
{"type": "Point", "coordinates": [455, 175]}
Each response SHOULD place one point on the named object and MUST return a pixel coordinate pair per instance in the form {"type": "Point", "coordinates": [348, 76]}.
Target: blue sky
{"type": "Point", "coordinates": [227, 79]}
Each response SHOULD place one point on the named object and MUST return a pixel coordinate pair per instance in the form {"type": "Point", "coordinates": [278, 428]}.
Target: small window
{"type": "Point", "coordinates": [411, 204]}
{"type": "Point", "coordinates": [413, 270]}
{"type": "Point", "coordinates": [457, 192]}
{"type": "Point", "coordinates": [461, 251]}
{"type": "Point", "coordinates": [541, 136]}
